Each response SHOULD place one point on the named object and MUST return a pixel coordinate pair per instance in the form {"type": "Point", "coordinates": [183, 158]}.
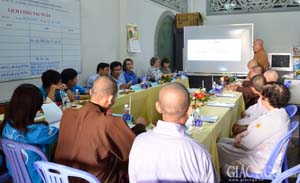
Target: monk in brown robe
{"type": "Point", "coordinates": [93, 141]}
{"type": "Point", "coordinates": [260, 55]}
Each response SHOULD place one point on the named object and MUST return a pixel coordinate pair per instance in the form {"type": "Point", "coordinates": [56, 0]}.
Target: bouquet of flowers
{"type": "Point", "coordinates": [166, 78]}
{"type": "Point", "coordinates": [227, 79]}
{"type": "Point", "coordinates": [198, 98]}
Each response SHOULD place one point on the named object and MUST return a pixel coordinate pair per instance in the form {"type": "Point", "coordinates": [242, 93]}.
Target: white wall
{"type": "Point", "coordinates": [145, 14]}
{"type": "Point", "coordinates": [99, 41]}
{"type": "Point", "coordinates": [104, 39]}
{"type": "Point", "coordinates": [280, 31]}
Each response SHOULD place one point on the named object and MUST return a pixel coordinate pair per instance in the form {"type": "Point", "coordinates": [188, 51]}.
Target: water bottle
{"type": "Point", "coordinates": [126, 113]}
{"type": "Point", "coordinates": [66, 103]}
{"type": "Point", "coordinates": [197, 118]}
{"type": "Point", "coordinates": [214, 86]}
{"type": "Point", "coordinates": [77, 96]}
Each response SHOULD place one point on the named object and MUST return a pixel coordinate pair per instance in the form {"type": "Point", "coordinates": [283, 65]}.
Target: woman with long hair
{"type": "Point", "coordinates": [19, 125]}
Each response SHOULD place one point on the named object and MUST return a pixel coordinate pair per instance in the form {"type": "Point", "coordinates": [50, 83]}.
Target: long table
{"type": "Point", "coordinates": [143, 102]}
{"type": "Point", "coordinates": [210, 133]}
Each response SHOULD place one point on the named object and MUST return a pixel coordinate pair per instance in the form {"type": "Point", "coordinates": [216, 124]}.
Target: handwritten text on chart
{"type": "Point", "coordinates": [38, 35]}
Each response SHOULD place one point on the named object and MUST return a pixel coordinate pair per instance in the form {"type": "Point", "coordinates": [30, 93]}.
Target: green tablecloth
{"type": "Point", "coordinates": [210, 133]}
{"type": "Point", "coordinates": [143, 102]}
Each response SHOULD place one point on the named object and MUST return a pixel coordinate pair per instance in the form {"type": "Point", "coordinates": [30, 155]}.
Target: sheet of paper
{"type": "Point", "coordinates": [220, 104]}
{"type": "Point", "coordinates": [52, 112]}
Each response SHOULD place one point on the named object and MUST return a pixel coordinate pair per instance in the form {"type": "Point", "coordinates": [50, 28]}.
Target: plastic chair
{"type": "Point", "coordinates": [284, 175]}
{"type": "Point", "coordinates": [56, 173]}
{"type": "Point", "coordinates": [291, 110]}
{"type": "Point", "coordinates": [4, 177]}
{"type": "Point", "coordinates": [281, 146]}
{"type": "Point", "coordinates": [13, 152]}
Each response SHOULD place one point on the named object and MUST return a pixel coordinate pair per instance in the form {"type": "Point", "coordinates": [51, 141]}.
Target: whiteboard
{"type": "Point", "coordinates": [37, 35]}
{"type": "Point", "coordinates": [218, 48]}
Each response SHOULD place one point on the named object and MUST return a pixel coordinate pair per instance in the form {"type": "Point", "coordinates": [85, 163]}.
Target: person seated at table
{"type": "Point", "coordinates": [254, 111]}
{"type": "Point", "coordinates": [19, 125]}
{"type": "Point", "coordinates": [52, 86]}
{"type": "Point", "coordinates": [166, 153]}
{"type": "Point", "coordinates": [250, 98]}
{"type": "Point", "coordinates": [251, 149]}
{"type": "Point", "coordinates": [102, 70]}
{"type": "Point", "coordinates": [154, 73]}
{"type": "Point", "coordinates": [129, 75]}
{"type": "Point", "coordinates": [165, 66]}
{"type": "Point", "coordinates": [251, 64]}
{"type": "Point", "coordinates": [92, 140]}
{"type": "Point", "coordinates": [118, 76]}
{"type": "Point", "coordinates": [69, 78]}
{"type": "Point", "coordinates": [271, 75]}
{"type": "Point", "coordinates": [254, 70]}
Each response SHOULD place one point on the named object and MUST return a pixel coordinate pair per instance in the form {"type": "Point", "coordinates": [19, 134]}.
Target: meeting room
{"type": "Point", "coordinates": [141, 91]}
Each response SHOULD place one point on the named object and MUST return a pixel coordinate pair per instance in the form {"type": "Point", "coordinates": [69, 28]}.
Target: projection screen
{"type": "Point", "coordinates": [217, 48]}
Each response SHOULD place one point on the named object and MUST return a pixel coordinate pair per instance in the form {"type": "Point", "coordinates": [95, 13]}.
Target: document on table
{"type": "Point", "coordinates": [209, 118]}
{"type": "Point", "coordinates": [230, 95]}
{"type": "Point", "coordinates": [220, 104]}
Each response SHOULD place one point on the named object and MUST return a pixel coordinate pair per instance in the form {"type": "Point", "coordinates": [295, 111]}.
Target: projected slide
{"type": "Point", "coordinates": [214, 50]}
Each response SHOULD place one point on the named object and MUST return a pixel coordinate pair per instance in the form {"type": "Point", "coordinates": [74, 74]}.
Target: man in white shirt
{"type": "Point", "coordinates": [251, 149]}
{"type": "Point", "coordinates": [254, 111]}
{"type": "Point", "coordinates": [102, 70]}
{"type": "Point", "coordinates": [166, 153]}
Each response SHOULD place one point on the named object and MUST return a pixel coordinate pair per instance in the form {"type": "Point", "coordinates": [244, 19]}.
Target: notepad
{"type": "Point", "coordinates": [230, 95]}
{"type": "Point", "coordinates": [209, 118]}
{"type": "Point", "coordinates": [220, 104]}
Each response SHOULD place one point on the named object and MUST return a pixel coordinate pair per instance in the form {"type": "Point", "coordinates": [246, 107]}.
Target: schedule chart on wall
{"type": "Point", "coordinates": [37, 35]}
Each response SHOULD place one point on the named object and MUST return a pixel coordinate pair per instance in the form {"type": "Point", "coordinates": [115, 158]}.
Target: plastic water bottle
{"type": "Point", "coordinates": [197, 118]}
{"type": "Point", "coordinates": [77, 96]}
{"type": "Point", "coordinates": [66, 103]}
{"type": "Point", "coordinates": [214, 86]}
{"type": "Point", "coordinates": [126, 113]}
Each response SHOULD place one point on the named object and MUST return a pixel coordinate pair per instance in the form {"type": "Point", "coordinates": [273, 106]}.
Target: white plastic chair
{"type": "Point", "coordinates": [56, 173]}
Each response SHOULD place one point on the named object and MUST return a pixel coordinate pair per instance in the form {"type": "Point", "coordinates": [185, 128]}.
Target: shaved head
{"type": "Point", "coordinates": [259, 41]}
{"type": "Point", "coordinates": [258, 45]}
{"type": "Point", "coordinates": [255, 70]}
{"type": "Point", "coordinates": [103, 86]}
{"type": "Point", "coordinates": [252, 63]}
{"type": "Point", "coordinates": [271, 75]}
{"type": "Point", "coordinates": [174, 101]}
{"type": "Point", "coordinates": [258, 82]}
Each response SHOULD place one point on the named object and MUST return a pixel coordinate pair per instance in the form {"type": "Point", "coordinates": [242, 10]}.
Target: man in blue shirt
{"type": "Point", "coordinates": [52, 86]}
{"type": "Point", "coordinates": [128, 71]}
{"type": "Point", "coordinates": [117, 75]}
{"type": "Point", "coordinates": [69, 77]}
{"type": "Point", "coordinates": [102, 70]}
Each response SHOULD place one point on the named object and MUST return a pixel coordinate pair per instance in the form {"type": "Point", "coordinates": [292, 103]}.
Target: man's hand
{"type": "Point", "coordinates": [238, 139]}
